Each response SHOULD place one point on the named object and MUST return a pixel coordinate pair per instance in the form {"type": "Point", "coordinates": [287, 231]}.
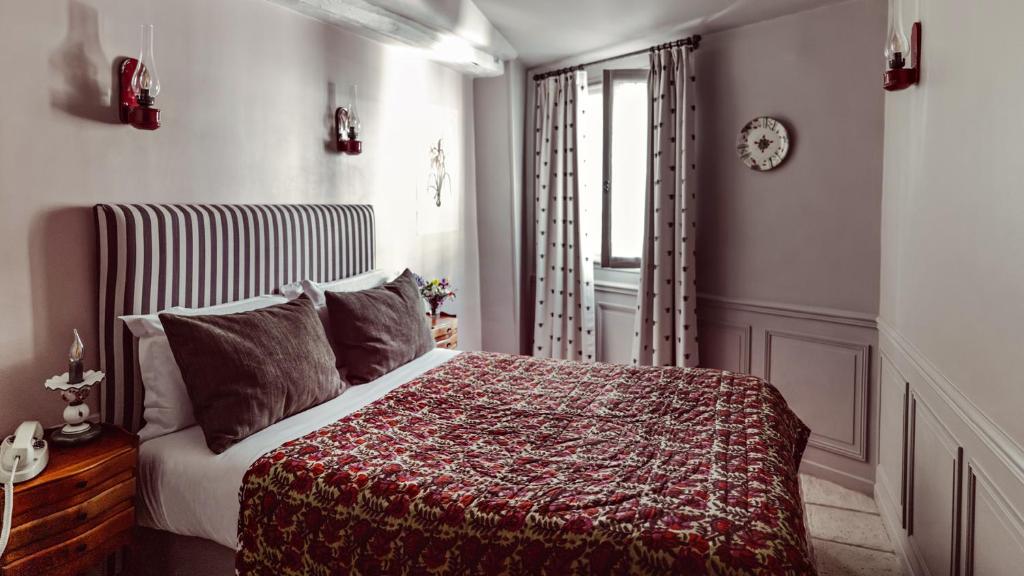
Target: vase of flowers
{"type": "Point", "coordinates": [435, 292]}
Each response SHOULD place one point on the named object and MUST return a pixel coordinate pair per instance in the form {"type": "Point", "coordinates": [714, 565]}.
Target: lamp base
{"type": "Point", "coordinates": [350, 147]}
{"type": "Point", "coordinates": [79, 434]}
{"type": "Point", "coordinates": [145, 118]}
{"type": "Point", "coordinates": [899, 79]}
{"type": "Point", "coordinates": [354, 147]}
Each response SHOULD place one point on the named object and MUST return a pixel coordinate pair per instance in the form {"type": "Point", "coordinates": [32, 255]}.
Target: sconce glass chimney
{"type": "Point", "coordinates": [354, 124]}
{"type": "Point", "coordinates": [896, 41]}
{"type": "Point", "coordinates": [146, 81]}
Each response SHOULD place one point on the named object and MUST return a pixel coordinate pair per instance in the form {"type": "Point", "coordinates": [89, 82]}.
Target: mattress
{"type": "Point", "coordinates": [186, 489]}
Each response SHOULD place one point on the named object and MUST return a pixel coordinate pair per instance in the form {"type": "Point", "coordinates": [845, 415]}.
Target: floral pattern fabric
{"type": "Point", "coordinates": [497, 464]}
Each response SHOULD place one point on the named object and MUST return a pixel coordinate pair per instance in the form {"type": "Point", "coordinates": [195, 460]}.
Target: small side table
{"type": "Point", "coordinates": [79, 511]}
{"type": "Point", "coordinates": [445, 329]}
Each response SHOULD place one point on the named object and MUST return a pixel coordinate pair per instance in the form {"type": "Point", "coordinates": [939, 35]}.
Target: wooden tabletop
{"type": "Point", "coordinates": [71, 460]}
{"type": "Point", "coordinates": [442, 319]}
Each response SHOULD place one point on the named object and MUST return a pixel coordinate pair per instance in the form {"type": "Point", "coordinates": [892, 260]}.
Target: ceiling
{"type": "Point", "coordinates": [546, 31]}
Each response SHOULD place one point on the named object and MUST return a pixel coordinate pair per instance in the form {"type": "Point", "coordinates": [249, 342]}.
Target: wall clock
{"type": "Point", "coordinates": [763, 144]}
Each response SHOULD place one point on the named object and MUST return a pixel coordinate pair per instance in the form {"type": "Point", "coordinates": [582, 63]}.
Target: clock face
{"type": "Point", "coordinates": [763, 144]}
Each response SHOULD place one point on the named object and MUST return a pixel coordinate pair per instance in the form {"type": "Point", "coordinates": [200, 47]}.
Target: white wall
{"type": "Point", "coordinates": [806, 233]}
{"type": "Point", "coordinates": [248, 95]}
{"type": "Point", "coordinates": [499, 108]}
{"type": "Point", "coordinates": [951, 476]}
{"type": "Point", "coordinates": [953, 211]}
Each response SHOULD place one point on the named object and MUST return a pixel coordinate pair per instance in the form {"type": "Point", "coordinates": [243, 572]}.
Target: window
{"type": "Point", "coordinates": [616, 150]}
{"type": "Point", "coordinates": [591, 171]}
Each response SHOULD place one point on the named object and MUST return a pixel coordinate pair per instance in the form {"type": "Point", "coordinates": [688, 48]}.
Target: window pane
{"type": "Point", "coordinates": [590, 165]}
{"type": "Point", "coordinates": [628, 166]}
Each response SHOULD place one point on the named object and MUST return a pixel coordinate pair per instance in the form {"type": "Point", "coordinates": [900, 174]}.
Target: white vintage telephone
{"type": "Point", "coordinates": [22, 457]}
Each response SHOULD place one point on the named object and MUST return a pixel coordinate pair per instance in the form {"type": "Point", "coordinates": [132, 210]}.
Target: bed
{"type": "Point", "coordinates": [453, 463]}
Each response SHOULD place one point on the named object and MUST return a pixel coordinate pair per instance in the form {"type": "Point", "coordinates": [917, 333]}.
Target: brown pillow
{"type": "Point", "coordinates": [377, 330]}
{"type": "Point", "coordinates": [249, 370]}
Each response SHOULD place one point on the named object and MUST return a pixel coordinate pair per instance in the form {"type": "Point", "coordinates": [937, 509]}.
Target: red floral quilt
{"type": "Point", "coordinates": [496, 464]}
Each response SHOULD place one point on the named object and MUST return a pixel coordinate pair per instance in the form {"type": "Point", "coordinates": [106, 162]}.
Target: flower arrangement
{"type": "Point", "coordinates": [435, 292]}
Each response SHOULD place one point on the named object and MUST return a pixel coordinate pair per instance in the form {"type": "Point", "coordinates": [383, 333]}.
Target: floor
{"type": "Point", "coordinates": [847, 533]}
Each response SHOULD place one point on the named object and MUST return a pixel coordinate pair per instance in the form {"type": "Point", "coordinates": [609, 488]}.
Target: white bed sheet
{"type": "Point", "coordinates": [187, 489]}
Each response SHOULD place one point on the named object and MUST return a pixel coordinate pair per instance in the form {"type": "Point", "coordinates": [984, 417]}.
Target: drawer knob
{"type": "Point", "coordinates": [81, 484]}
{"type": "Point", "coordinates": [81, 547]}
{"type": "Point", "coordinates": [82, 516]}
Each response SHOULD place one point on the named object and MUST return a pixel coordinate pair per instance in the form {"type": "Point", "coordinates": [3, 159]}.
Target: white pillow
{"type": "Point", "coordinates": [291, 290]}
{"type": "Point", "coordinates": [372, 279]}
{"type": "Point", "coordinates": [167, 407]}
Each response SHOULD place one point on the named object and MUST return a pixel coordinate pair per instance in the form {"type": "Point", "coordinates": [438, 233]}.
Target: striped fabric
{"type": "Point", "coordinates": [153, 257]}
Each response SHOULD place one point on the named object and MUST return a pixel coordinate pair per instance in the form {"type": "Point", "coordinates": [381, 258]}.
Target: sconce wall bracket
{"type": "Point", "coordinates": [347, 140]}
{"type": "Point", "coordinates": [902, 78]}
{"type": "Point", "coordinates": [131, 111]}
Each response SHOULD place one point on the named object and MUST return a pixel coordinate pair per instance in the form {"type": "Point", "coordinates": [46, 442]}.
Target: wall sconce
{"type": "Point", "coordinates": [347, 126]}
{"type": "Point", "coordinates": [897, 75]}
{"type": "Point", "coordinates": [140, 86]}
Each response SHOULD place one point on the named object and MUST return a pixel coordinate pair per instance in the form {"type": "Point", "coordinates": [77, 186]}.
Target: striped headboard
{"type": "Point", "coordinates": [153, 257]}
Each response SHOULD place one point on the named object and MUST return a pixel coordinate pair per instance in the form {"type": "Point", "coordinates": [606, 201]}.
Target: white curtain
{"type": "Point", "coordinates": [666, 322]}
{"type": "Point", "coordinates": [564, 297]}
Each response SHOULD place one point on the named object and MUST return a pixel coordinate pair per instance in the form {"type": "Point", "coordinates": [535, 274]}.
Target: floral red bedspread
{"type": "Point", "coordinates": [496, 464]}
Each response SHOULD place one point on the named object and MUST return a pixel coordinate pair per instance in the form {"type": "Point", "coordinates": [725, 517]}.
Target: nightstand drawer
{"type": "Point", "coordinates": [30, 537]}
{"type": "Point", "coordinates": [79, 510]}
{"type": "Point", "coordinates": [451, 343]}
{"type": "Point", "coordinates": [443, 332]}
{"type": "Point", "coordinates": [70, 555]}
{"type": "Point", "coordinates": [38, 500]}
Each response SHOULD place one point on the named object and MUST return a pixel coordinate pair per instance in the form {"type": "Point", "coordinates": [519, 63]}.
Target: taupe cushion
{"type": "Point", "coordinates": [377, 330]}
{"type": "Point", "coordinates": [249, 370]}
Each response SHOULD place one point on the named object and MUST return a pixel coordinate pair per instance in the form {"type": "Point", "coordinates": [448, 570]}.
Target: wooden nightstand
{"type": "Point", "coordinates": [445, 330]}
{"type": "Point", "coordinates": [78, 511]}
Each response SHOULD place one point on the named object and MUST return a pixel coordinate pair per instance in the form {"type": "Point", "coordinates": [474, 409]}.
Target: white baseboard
{"type": "Point", "coordinates": [891, 517]}
{"type": "Point", "coordinates": [844, 479]}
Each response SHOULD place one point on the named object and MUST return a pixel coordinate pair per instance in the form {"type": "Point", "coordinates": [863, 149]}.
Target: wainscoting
{"type": "Point", "coordinates": [950, 483]}
{"type": "Point", "coordinates": [821, 360]}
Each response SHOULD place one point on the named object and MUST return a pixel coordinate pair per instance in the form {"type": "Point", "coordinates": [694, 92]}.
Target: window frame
{"type": "Point", "coordinates": [608, 102]}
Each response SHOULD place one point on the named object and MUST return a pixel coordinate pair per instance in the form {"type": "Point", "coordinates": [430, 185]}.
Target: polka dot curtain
{"type": "Point", "coordinates": [666, 322]}
{"type": "Point", "coordinates": [564, 301]}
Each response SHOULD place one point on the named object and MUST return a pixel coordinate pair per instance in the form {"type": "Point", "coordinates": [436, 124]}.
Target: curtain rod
{"type": "Point", "coordinates": [691, 41]}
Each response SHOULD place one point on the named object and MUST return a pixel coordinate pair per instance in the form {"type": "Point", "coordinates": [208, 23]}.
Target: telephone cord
{"type": "Point", "coordinates": [5, 531]}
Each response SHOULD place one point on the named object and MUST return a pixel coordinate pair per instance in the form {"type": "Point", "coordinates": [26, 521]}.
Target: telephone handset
{"type": "Point", "coordinates": [25, 454]}
{"type": "Point", "coordinates": [22, 457]}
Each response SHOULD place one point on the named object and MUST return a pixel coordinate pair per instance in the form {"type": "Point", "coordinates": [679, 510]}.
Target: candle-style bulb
{"type": "Point", "coordinates": [77, 348]}
{"type": "Point", "coordinates": [75, 354]}
{"type": "Point", "coordinates": [342, 115]}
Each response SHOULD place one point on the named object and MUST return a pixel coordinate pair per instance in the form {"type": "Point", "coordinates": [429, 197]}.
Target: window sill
{"type": "Point", "coordinates": [622, 280]}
